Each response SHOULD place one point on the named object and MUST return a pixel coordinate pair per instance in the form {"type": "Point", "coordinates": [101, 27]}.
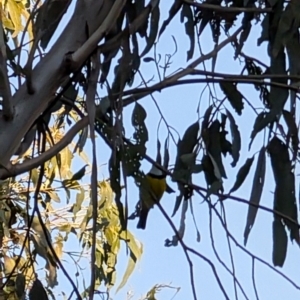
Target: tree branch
{"type": "Point", "coordinates": [14, 170]}
{"type": "Point", "coordinates": [90, 45]}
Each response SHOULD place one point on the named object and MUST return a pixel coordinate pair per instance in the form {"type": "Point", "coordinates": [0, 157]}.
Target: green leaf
{"type": "Point", "coordinates": [236, 139]}
{"type": "Point", "coordinates": [186, 12]}
{"type": "Point", "coordinates": [233, 95]}
{"type": "Point", "coordinates": [280, 243]}
{"type": "Point", "coordinates": [242, 174]}
{"type": "Point", "coordinates": [256, 192]}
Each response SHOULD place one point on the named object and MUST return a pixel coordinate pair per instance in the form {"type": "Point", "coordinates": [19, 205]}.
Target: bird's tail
{"type": "Point", "coordinates": [143, 219]}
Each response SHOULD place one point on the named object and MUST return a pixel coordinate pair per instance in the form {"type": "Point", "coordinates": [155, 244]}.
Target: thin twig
{"type": "Point", "coordinates": [253, 279]}
{"type": "Point", "coordinates": [230, 252]}
{"type": "Point", "coordinates": [236, 281]}
{"type": "Point", "coordinates": [247, 251]}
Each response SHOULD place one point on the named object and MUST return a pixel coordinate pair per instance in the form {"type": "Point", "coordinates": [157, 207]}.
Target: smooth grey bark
{"type": "Point", "coordinates": [49, 74]}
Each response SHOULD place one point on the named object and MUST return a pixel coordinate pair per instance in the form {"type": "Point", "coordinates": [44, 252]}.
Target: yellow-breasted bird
{"type": "Point", "coordinates": [151, 192]}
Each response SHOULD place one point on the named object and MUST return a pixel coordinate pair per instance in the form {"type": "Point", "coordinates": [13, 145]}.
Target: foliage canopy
{"type": "Point", "coordinates": [80, 85]}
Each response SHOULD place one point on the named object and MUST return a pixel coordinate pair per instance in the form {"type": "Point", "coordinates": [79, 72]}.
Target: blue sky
{"type": "Point", "coordinates": [161, 265]}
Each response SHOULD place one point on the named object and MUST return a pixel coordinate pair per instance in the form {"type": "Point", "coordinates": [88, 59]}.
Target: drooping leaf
{"type": "Point", "coordinates": [139, 7]}
{"type": "Point", "coordinates": [226, 146]}
{"type": "Point", "coordinates": [172, 13]}
{"type": "Point", "coordinates": [20, 285]}
{"type": "Point", "coordinates": [64, 163]}
{"type": "Point", "coordinates": [154, 22]}
{"type": "Point", "coordinates": [243, 38]}
{"type": "Point", "coordinates": [138, 121]}
{"type": "Point", "coordinates": [79, 199]}
{"type": "Point", "coordinates": [256, 192]}
{"type": "Point", "coordinates": [292, 130]}
{"type": "Point", "coordinates": [205, 121]}
{"type": "Point", "coordinates": [197, 168]}
{"type": "Point", "coordinates": [285, 29]}
{"type": "Point", "coordinates": [54, 196]}
{"type": "Point", "coordinates": [79, 174]}
{"type": "Point", "coordinates": [236, 139]}
{"type": "Point", "coordinates": [242, 174]}
{"type": "Point", "coordinates": [265, 30]}
{"type": "Point", "coordinates": [213, 145]}
{"type": "Point", "coordinates": [233, 95]}
{"type": "Point", "coordinates": [9, 265]}
{"type": "Point", "coordinates": [261, 121]}
{"type": "Point", "coordinates": [280, 243]}
{"type": "Point", "coordinates": [82, 140]}
{"type": "Point", "coordinates": [136, 252]}
{"type": "Point", "coordinates": [208, 169]}
{"type": "Point", "coordinates": [115, 182]}
{"type": "Point", "coordinates": [166, 154]}
{"type": "Point", "coordinates": [49, 17]}
{"type": "Point", "coordinates": [278, 95]}
{"type": "Point", "coordinates": [182, 171]}
{"type": "Point", "coordinates": [188, 142]}
{"type": "Point", "coordinates": [215, 188]}
{"type": "Point", "coordinates": [12, 19]}
{"type": "Point", "coordinates": [37, 292]}
{"type": "Point", "coordinates": [284, 196]}
{"type": "Point", "coordinates": [186, 12]}
{"type": "Point", "coordinates": [158, 154]}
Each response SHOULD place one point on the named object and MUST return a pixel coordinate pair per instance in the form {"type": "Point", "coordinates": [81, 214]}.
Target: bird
{"type": "Point", "coordinates": [151, 192]}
